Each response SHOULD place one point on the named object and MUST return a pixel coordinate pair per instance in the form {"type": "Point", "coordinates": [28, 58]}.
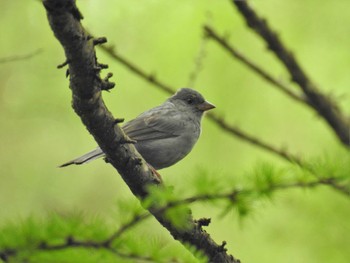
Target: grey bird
{"type": "Point", "coordinates": [165, 134]}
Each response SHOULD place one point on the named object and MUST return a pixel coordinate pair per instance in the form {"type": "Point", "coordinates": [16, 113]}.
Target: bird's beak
{"type": "Point", "coordinates": [205, 106]}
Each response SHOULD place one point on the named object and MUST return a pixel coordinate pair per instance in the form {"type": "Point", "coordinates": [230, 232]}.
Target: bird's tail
{"type": "Point", "coordinates": [88, 157]}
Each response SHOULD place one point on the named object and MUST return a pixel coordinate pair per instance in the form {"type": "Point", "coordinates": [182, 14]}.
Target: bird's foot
{"type": "Point", "coordinates": [154, 171]}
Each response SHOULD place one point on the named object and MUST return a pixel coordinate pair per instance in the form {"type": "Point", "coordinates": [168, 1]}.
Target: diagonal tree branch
{"type": "Point", "coordinates": [134, 221]}
{"type": "Point", "coordinates": [137, 70]}
{"type": "Point", "coordinates": [86, 85]}
{"type": "Point", "coordinates": [253, 140]}
{"type": "Point", "coordinates": [20, 57]}
{"type": "Point", "coordinates": [211, 33]}
{"type": "Point", "coordinates": [322, 104]}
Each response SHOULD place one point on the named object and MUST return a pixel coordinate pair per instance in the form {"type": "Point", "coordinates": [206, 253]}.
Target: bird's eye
{"type": "Point", "coordinates": [189, 101]}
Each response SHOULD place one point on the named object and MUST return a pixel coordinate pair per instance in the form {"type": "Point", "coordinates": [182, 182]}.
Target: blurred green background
{"type": "Point", "coordinates": [39, 129]}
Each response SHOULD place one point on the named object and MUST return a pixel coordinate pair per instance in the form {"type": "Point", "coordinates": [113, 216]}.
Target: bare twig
{"type": "Point", "coordinates": [134, 220]}
{"type": "Point", "coordinates": [135, 69]}
{"type": "Point", "coordinates": [211, 33]}
{"type": "Point", "coordinates": [253, 140]}
{"type": "Point", "coordinates": [86, 85]}
{"type": "Point", "coordinates": [198, 63]}
{"type": "Point", "coordinates": [20, 57]}
{"type": "Point", "coordinates": [322, 104]}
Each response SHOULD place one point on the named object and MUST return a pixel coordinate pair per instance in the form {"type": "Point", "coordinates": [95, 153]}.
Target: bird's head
{"type": "Point", "coordinates": [190, 99]}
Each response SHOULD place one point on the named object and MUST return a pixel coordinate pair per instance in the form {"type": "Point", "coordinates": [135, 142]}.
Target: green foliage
{"type": "Point", "coordinates": [179, 216]}
{"type": "Point", "coordinates": [39, 131]}
{"type": "Point", "coordinates": [31, 238]}
{"type": "Point", "coordinates": [208, 182]}
{"type": "Point", "coordinates": [164, 199]}
{"type": "Point", "coordinates": [27, 237]}
{"type": "Point", "coordinates": [265, 177]}
{"type": "Point", "coordinates": [335, 165]}
{"type": "Point", "coordinates": [159, 197]}
{"type": "Point", "coordinates": [73, 255]}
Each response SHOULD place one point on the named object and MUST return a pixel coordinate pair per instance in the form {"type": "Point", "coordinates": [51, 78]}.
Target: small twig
{"type": "Point", "coordinates": [104, 66]}
{"type": "Point", "coordinates": [135, 69]}
{"type": "Point", "coordinates": [119, 120]}
{"type": "Point", "coordinates": [20, 57]}
{"type": "Point", "coordinates": [203, 222]}
{"type": "Point", "coordinates": [253, 140]}
{"type": "Point", "coordinates": [222, 247]}
{"type": "Point", "coordinates": [321, 103]}
{"type": "Point", "coordinates": [99, 41]}
{"type": "Point", "coordinates": [109, 74]}
{"type": "Point", "coordinates": [211, 33]}
{"type": "Point", "coordinates": [233, 195]}
{"type": "Point", "coordinates": [65, 63]}
{"type": "Point", "coordinates": [198, 63]}
{"type": "Point", "coordinates": [135, 220]}
{"type": "Point", "coordinates": [330, 182]}
{"type": "Point", "coordinates": [71, 242]}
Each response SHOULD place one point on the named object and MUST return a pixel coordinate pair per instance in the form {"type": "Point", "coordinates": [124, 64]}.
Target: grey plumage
{"type": "Point", "coordinates": [165, 134]}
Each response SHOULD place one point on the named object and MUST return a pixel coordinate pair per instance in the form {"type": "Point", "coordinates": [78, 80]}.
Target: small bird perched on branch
{"type": "Point", "coordinates": [165, 134]}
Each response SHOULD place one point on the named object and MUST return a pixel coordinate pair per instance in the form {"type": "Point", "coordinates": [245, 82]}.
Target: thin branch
{"type": "Point", "coordinates": [137, 70]}
{"type": "Point", "coordinates": [233, 196]}
{"type": "Point", "coordinates": [87, 85]}
{"type": "Point", "coordinates": [253, 140]}
{"type": "Point", "coordinates": [70, 242]}
{"type": "Point", "coordinates": [20, 57]}
{"type": "Point", "coordinates": [322, 104]}
{"type": "Point", "coordinates": [211, 33]}
{"type": "Point", "coordinates": [134, 221]}
{"type": "Point", "coordinates": [198, 63]}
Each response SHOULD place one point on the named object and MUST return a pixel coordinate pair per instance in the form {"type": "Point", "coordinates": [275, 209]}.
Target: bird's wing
{"type": "Point", "coordinates": [158, 123]}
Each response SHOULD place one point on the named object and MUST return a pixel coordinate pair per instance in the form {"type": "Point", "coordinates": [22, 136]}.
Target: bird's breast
{"type": "Point", "coordinates": [161, 153]}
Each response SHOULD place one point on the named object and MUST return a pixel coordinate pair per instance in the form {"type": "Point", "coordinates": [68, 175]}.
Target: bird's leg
{"type": "Point", "coordinates": [154, 171]}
